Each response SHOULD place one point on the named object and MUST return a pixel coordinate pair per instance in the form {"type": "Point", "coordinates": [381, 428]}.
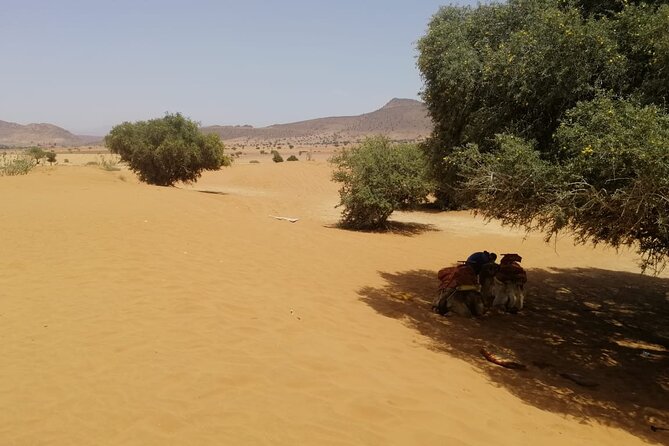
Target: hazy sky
{"type": "Point", "coordinates": [87, 65]}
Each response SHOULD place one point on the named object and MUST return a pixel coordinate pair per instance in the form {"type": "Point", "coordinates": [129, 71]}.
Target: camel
{"type": "Point", "coordinates": [459, 292]}
{"type": "Point", "coordinates": [508, 284]}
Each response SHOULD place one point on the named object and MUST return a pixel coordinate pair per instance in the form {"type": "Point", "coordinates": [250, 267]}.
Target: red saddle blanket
{"type": "Point", "coordinates": [511, 272]}
{"type": "Point", "coordinates": [456, 276]}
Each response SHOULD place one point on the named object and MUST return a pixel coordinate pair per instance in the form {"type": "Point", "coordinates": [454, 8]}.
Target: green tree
{"type": "Point", "coordinates": [547, 114]}
{"type": "Point", "coordinates": [167, 150]}
{"type": "Point", "coordinates": [611, 185]}
{"type": "Point", "coordinates": [379, 177]}
{"type": "Point", "coordinates": [51, 157]}
{"type": "Point", "coordinates": [518, 67]}
{"type": "Point", "coordinates": [37, 153]}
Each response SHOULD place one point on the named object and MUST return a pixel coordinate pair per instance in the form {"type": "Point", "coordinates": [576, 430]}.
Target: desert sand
{"type": "Point", "coordinates": [140, 315]}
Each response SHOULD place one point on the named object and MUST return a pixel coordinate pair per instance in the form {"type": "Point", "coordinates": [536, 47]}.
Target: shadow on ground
{"type": "Point", "coordinates": [607, 328]}
{"type": "Point", "coordinates": [213, 192]}
{"type": "Point", "coordinates": [393, 227]}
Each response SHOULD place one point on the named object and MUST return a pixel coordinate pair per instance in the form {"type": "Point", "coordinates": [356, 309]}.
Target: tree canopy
{"type": "Point", "coordinates": [552, 114]}
{"type": "Point", "coordinates": [167, 150]}
{"type": "Point", "coordinates": [37, 153]}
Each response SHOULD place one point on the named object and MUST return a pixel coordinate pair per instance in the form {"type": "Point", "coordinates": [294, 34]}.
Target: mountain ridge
{"type": "Point", "coordinates": [405, 119]}
{"type": "Point", "coordinates": [40, 134]}
{"type": "Point", "coordinates": [398, 119]}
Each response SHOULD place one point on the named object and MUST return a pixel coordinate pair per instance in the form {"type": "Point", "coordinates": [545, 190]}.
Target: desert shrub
{"type": "Point", "coordinates": [20, 165]}
{"type": "Point", "coordinates": [92, 163]}
{"type": "Point", "coordinates": [254, 162]}
{"type": "Point", "coordinates": [66, 160]}
{"type": "Point", "coordinates": [263, 152]}
{"type": "Point", "coordinates": [379, 177]}
{"type": "Point", "coordinates": [51, 157]}
{"type": "Point", "coordinates": [292, 158]}
{"type": "Point", "coordinates": [109, 164]}
{"type": "Point", "coordinates": [276, 157]}
{"type": "Point", "coordinates": [167, 150]}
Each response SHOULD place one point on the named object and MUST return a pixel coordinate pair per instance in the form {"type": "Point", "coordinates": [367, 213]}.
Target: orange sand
{"type": "Point", "coordinates": [141, 315]}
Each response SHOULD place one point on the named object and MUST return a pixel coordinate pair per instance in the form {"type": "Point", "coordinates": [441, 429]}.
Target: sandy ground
{"type": "Point", "coordinates": [141, 315]}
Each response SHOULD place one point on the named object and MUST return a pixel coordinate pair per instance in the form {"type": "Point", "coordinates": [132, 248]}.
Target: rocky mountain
{"type": "Point", "coordinates": [13, 134]}
{"type": "Point", "coordinates": [399, 119]}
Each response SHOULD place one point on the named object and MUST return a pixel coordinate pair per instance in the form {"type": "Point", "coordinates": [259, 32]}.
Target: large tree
{"type": "Point", "coordinates": [167, 150]}
{"type": "Point", "coordinates": [537, 102]}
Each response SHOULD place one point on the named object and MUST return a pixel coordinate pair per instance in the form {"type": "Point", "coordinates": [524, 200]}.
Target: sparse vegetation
{"type": "Point", "coordinates": [379, 177]}
{"type": "Point", "coordinates": [167, 150]}
{"type": "Point", "coordinates": [292, 158]}
{"type": "Point", "coordinates": [254, 162]}
{"type": "Point", "coordinates": [15, 165]}
{"type": "Point", "coordinates": [109, 164]}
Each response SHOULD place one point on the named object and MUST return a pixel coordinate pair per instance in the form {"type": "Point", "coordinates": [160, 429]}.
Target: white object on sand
{"type": "Point", "coordinates": [292, 220]}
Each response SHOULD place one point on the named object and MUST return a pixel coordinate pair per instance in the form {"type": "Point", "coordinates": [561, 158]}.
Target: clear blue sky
{"type": "Point", "coordinates": [87, 65]}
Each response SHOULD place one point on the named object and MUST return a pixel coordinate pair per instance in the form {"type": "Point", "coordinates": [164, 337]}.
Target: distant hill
{"type": "Point", "coordinates": [399, 119]}
{"type": "Point", "coordinates": [13, 134]}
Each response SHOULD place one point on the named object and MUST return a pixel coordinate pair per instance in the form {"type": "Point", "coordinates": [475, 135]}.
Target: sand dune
{"type": "Point", "coordinates": [141, 315]}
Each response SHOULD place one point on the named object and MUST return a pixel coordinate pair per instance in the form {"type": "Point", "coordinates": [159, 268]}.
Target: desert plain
{"type": "Point", "coordinates": [140, 315]}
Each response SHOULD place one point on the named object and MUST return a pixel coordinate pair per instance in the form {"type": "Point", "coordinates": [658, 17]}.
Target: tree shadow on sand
{"type": "Point", "coordinates": [212, 192]}
{"type": "Point", "coordinates": [610, 329]}
{"type": "Point", "coordinates": [407, 229]}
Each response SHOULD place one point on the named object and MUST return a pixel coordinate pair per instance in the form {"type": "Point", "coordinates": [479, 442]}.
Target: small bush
{"type": "Point", "coordinates": [292, 158]}
{"type": "Point", "coordinates": [254, 162]}
{"type": "Point", "coordinates": [66, 160]}
{"type": "Point", "coordinates": [51, 157]}
{"type": "Point", "coordinates": [109, 164]}
{"type": "Point", "coordinates": [16, 166]}
{"type": "Point", "coordinates": [276, 157]}
{"type": "Point", "coordinates": [377, 178]}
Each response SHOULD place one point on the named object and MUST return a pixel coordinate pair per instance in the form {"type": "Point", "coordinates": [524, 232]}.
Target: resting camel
{"type": "Point", "coordinates": [502, 286]}
{"type": "Point", "coordinates": [459, 292]}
